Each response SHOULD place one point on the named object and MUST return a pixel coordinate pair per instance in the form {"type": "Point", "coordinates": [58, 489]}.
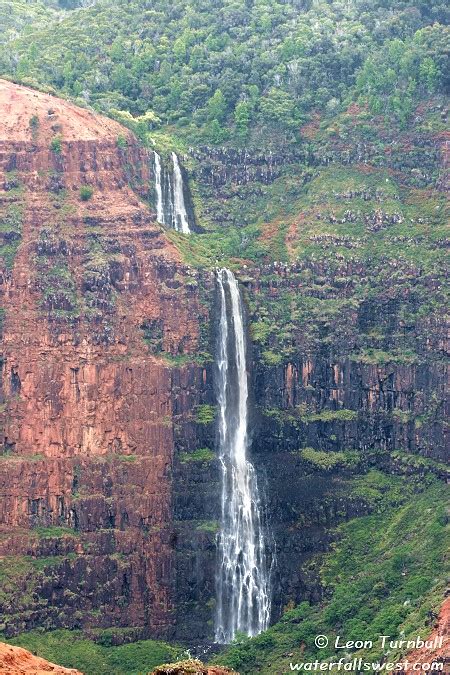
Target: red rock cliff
{"type": "Point", "coordinates": [87, 408]}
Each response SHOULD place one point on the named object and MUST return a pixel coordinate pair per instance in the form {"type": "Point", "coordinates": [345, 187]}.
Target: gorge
{"type": "Point", "coordinates": [113, 493]}
{"type": "Point", "coordinates": [223, 351]}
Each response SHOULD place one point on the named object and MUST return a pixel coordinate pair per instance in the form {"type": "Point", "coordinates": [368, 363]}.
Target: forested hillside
{"type": "Point", "coordinates": [225, 71]}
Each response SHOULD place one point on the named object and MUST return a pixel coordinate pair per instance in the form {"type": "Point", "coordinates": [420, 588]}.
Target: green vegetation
{"type": "Point", "coordinates": [385, 573]}
{"type": "Point", "coordinates": [302, 414]}
{"type": "Point", "coordinates": [349, 220]}
{"type": "Point", "coordinates": [330, 416]}
{"type": "Point", "coordinates": [199, 455]}
{"type": "Point", "coordinates": [7, 455]}
{"type": "Point", "coordinates": [205, 414]}
{"type": "Point", "coordinates": [210, 526]}
{"type": "Point", "coordinates": [54, 531]}
{"type": "Point", "coordinates": [329, 460]}
{"type": "Point", "coordinates": [86, 192]}
{"type": "Point", "coordinates": [179, 360]}
{"type": "Point", "coordinates": [204, 250]}
{"type": "Point", "coordinates": [59, 295]}
{"type": "Point", "coordinates": [417, 462]}
{"type": "Point", "coordinates": [392, 80]}
{"type": "Point", "coordinates": [20, 579]}
{"type": "Point", "coordinates": [34, 126]}
{"type": "Point", "coordinates": [56, 145]}
{"type": "Point", "coordinates": [217, 73]}
{"type": "Point", "coordinates": [72, 650]}
{"type": "Point", "coordinates": [379, 357]}
{"type": "Point", "coordinates": [153, 334]}
{"type": "Point", "coordinates": [188, 666]}
{"type": "Point", "coordinates": [10, 228]}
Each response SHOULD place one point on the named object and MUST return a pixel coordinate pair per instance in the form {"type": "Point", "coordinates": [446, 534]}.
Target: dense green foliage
{"type": "Point", "coordinates": [222, 69]}
{"type": "Point", "coordinates": [385, 575]}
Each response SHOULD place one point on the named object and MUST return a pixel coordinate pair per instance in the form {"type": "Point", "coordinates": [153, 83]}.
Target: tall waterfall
{"type": "Point", "coordinates": [170, 195]}
{"type": "Point", "coordinates": [180, 219]}
{"type": "Point", "coordinates": [243, 578]}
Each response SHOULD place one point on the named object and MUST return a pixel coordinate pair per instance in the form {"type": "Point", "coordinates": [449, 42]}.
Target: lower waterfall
{"type": "Point", "coordinates": [243, 576]}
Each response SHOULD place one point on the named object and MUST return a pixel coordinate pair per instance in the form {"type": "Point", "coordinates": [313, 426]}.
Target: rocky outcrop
{"type": "Point", "coordinates": [19, 661]}
{"type": "Point", "coordinates": [221, 166]}
{"type": "Point", "coordinates": [438, 656]}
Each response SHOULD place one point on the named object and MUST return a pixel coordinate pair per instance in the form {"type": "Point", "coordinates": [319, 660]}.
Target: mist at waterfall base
{"type": "Point", "coordinates": [170, 202]}
{"type": "Point", "coordinates": [243, 574]}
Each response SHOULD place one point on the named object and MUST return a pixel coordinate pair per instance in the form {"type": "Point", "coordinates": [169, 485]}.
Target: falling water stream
{"type": "Point", "coordinates": [169, 188]}
{"type": "Point", "coordinates": [158, 188]}
{"type": "Point", "coordinates": [180, 218]}
{"type": "Point", "coordinates": [243, 577]}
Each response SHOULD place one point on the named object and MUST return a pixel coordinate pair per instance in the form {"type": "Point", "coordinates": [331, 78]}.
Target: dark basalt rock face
{"type": "Point", "coordinates": [321, 397]}
{"type": "Point", "coordinates": [219, 166]}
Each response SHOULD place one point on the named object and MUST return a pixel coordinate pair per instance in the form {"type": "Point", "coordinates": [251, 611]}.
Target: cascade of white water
{"type": "Point", "coordinates": [180, 218]}
{"type": "Point", "coordinates": [243, 579]}
{"type": "Point", "coordinates": [158, 188]}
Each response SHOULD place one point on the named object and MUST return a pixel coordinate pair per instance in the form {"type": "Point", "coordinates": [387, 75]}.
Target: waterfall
{"type": "Point", "coordinates": [158, 188]}
{"type": "Point", "coordinates": [180, 218]}
{"type": "Point", "coordinates": [243, 579]}
{"type": "Point", "coordinates": [170, 203]}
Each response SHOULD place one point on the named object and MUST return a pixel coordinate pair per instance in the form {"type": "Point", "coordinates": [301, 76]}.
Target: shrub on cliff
{"type": "Point", "coordinates": [55, 145]}
{"type": "Point", "coordinates": [205, 414]}
{"type": "Point", "coordinates": [86, 192]}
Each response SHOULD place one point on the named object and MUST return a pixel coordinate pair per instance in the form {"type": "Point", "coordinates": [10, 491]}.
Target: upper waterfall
{"type": "Point", "coordinates": [171, 192]}
{"type": "Point", "coordinates": [243, 578]}
{"type": "Point", "coordinates": [158, 189]}
{"type": "Point", "coordinates": [180, 219]}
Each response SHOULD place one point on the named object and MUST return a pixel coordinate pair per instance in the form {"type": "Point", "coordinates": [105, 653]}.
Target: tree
{"type": "Point", "coordinates": [215, 133]}
{"type": "Point", "coordinates": [277, 107]}
{"type": "Point", "coordinates": [242, 117]}
{"type": "Point", "coordinates": [429, 74]}
{"type": "Point", "coordinates": [217, 107]}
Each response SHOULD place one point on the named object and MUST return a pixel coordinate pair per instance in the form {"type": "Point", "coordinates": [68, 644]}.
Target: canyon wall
{"type": "Point", "coordinates": [88, 407]}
